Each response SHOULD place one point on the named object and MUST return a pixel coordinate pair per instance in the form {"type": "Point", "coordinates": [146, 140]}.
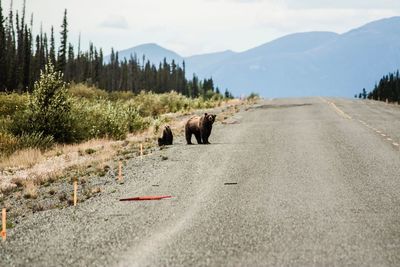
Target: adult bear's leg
{"type": "Point", "coordinates": [188, 134]}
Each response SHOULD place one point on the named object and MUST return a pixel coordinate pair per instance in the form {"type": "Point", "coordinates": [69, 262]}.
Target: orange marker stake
{"type": "Point", "coordinates": [4, 224]}
{"type": "Point", "coordinates": [75, 192]}
{"type": "Point", "coordinates": [120, 171]}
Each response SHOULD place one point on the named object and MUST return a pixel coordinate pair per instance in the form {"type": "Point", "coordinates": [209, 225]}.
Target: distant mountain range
{"type": "Point", "coordinates": [301, 64]}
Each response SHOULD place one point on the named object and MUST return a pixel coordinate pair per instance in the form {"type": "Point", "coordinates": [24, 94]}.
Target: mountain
{"type": "Point", "coordinates": [315, 63]}
{"type": "Point", "coordinates": [152, 52]}
{"type": "Point", "coordinates": [205, 63]}
{"type": "Point", "coordinates": [300, 64]}
{"type": "Point", "coordinates": [258, 68]}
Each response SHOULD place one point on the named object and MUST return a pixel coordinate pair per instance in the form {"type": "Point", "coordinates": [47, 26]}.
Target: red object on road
{"type": "Point", "coordinates": [144, 198]}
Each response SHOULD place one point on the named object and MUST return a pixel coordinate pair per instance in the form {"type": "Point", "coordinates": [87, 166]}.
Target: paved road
{"type": "Point", "coordinates": [317, 184]}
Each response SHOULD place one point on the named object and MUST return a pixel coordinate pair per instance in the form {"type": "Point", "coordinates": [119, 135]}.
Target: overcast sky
{"type": "Point", "coordinates": [199, 26]}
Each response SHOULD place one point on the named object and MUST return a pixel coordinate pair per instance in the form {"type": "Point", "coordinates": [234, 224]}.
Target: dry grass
{"type": "Point", "coordinates": [47, 167]}
{"type": "Point", "coordinates": [30, 190]}
{"type": "Point", "coordinates": [22, 159]}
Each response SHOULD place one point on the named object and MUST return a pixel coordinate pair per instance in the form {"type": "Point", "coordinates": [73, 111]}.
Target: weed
{"type": "Point", "coordinates": [30, 190]}
{"type": "Point", "coordinates": [90, 151]}
{"type": "Point", "coordinates": [37, 207]}
{"type": "Point", "coordinates": [52, 191]}
{"type": "Point", "coordinates": [96, 190]}
{"type": "Point", "coordinates": [62, 196]}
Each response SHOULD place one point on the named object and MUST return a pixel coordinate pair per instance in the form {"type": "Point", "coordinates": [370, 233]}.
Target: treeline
{"type": "Point", "coordinates": [23, 56]}
{"type": "Point", "coordinates": [387, 88]}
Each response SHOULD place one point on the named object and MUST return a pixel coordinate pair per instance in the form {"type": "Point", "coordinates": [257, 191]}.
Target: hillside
{"type": "Point", "coordinates": [300, 64]}
{"type": "Point", "coordinates": [153, 52]}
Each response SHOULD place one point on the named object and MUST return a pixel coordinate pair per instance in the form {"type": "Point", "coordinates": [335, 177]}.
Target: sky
{"type": "Point", "coordinates": [191, 27]}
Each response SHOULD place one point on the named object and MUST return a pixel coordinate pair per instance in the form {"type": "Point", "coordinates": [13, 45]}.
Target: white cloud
{"type": "Point", "coordinates": [346, 4]}
{"type": "Point", "coordinates": [199, 26]}
{"type": "Point", "coordinates": [116, 22]}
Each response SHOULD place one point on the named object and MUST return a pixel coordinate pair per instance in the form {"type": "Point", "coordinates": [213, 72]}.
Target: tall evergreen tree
{"type": "Point", "coordinates": [3, 52]}
{"type": "Point", "coordinates": [11, 82]}
{"type": "Point", "coordinates": [52, 51]}
{"type": "Point", "coordinates": [62, 52]}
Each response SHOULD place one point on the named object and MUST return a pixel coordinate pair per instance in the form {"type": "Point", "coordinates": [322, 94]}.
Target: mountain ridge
{"type": "Point", "coordinates": [301, 64]}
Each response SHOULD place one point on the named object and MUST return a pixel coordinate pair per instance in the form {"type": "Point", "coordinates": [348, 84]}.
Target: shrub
{"type": "Point", "coordinates": [83, 91]}
{"type": "Point", "coordinates": [253, 96]}
{"type": "Point", "coordinates": [8, 144]}
{"type": "Point", "coordinates": [147, 104]}
{"type": "Point", "coordinates": [90, 151]}
{"type": "Point", "coordinates": [11, 103]}
{"type": "Point", "coordinates": [35, 140]}
{"type": "Point", "coordinates": [5, 124]}
{"type": "Point", "coordinates": [49, 108]}
{"type": "Point", "coordinates": [120, 95]}
{"type": "Point", "coordinates": [104, 118]}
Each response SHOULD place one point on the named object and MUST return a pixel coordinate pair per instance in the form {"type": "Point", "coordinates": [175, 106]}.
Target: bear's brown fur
{"type": "Point", "coordinates": [201, 128]}
{"type": "Point", "coordinates": [167, 137]}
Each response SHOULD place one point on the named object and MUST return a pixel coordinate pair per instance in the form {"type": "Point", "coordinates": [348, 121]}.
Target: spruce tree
{"type": "Point", "coordinates": [11, 52]}
{"type": "Point", "coordinates": [52, 51]}
{"type": "Point", "coordinates": [364, 93]}
{"type": "Point", "coordinates": [3, 66]}
{"type": "Point", "coordinates": [62, 52]}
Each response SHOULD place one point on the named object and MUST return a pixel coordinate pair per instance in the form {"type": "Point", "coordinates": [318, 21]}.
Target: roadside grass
{"type": "Point", "coordinates": [30, 190]}
{"type": "Point", "coordinates": [26, 158]}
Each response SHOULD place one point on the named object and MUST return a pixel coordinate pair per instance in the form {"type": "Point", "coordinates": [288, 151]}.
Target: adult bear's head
{"type": "Point", "coordinates": [210, 118]}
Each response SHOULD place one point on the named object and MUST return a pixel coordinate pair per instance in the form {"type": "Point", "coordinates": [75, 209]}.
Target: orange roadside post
{"type": "Point", "coordinates": [75, 192]}
{"type": "Point", "coordinates": [4, 224]}
{"type": "Point", "coordinates": [120, 171]}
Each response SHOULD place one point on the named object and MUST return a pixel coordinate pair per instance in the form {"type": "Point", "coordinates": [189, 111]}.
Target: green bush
{"type": "Point", "coordinates": [11, 103]}
{"type": "Point", "coordinates": [5, 124]}
{"type": "Point", "coordinates": [10, 143]}
{"type": "Point", "coordinates": [35, 140]}
{"type": "Point", "coordinates": [49, 109]}
{"type": "Point", "coordinates": [120, 95]}
{"type": "Point", "coordinates": [83, 91]}
{"type": "Point", "coordinates": [253, 96]}
{"type": "Point", "coordinates": [104, 118]}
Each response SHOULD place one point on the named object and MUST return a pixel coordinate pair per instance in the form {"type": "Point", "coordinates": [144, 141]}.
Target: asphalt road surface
{"type": "Point", "coordinates": [311, 182]}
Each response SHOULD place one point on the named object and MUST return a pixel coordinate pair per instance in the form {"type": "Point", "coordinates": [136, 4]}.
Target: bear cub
{"type": "Point", "coordinates": [201, 128]}
{"type": "Point", "coordinates": [167, 137]}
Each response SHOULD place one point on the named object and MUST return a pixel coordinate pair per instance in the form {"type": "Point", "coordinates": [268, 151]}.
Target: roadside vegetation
{"type": "Point", "coordinates": [56, 112]}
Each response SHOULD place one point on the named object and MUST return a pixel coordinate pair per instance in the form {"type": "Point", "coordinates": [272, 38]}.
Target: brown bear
{"type": "Point", "coordinates": [167, 137]}
{"type": "Point", "coordinates": [200, 127]}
